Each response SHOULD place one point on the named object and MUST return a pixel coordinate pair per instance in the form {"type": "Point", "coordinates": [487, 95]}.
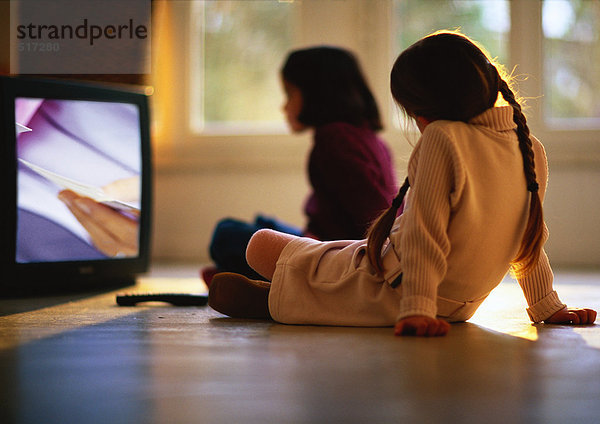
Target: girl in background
{"type": "Point", "coordinates": [350, 168]}
{"type": "Point", "coordinates": [473, 211]}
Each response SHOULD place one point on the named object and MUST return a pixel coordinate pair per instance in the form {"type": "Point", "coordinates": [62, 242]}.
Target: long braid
{"type": "Point", "coordinates": [380, 230]}
{"type": "Point", "coordinates": [533, 238]}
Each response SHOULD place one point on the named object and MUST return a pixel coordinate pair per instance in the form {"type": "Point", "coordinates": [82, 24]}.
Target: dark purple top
{"type": "Point", "coordinates": [352, 175]}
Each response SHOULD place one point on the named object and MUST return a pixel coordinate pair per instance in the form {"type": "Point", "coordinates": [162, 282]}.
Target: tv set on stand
{"type": "Point", "coordinates": [76, 186]}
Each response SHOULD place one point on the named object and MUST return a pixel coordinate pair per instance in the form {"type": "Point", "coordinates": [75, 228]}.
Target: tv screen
{"type": "Point", "coordinates": [77, 184]}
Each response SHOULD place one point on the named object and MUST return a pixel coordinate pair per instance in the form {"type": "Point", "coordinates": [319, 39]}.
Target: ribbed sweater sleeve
{"type": "Point", "coordinates": [425, 245]}
{"type": "Point", "coordinates": [543, 301]}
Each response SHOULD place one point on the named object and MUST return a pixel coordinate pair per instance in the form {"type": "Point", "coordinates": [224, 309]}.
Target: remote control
{"type": "Point", "coordinates": [176, 299]}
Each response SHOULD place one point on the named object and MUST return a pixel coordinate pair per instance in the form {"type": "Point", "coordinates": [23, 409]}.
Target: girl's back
{"type": "Point", "coordinates": [469, 196]}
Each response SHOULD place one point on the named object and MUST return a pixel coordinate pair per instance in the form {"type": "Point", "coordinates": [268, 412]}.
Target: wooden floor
{"type": "Point", "coordinates": [82, 359]}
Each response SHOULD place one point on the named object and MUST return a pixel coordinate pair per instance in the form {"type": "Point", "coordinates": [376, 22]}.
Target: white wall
{"type": "Point", "coordinates": [188, 204]}
{"type": "Point", "coordinates": [572, 209]}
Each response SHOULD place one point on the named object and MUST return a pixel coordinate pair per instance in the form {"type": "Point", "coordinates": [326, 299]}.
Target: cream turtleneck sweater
{"type": "Point", "coordinates": [464, 219]}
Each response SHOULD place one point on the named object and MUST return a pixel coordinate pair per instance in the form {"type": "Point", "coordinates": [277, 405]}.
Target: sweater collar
{"type": "Point", "coordinates": [498, 118]}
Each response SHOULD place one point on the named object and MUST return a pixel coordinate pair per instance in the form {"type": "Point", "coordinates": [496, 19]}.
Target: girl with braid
{"type": "Point", "coordinates": [472, 212]}
{"type": "Point", "coordinates": [350, 168]}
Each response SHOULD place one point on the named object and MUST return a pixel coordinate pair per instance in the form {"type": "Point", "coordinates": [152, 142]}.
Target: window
{"type": "Point", "coordinates": [571, 57]}
{"type": "Point", "coordinates": [567, 81]}
{"type": "Point", "coordinates": [236, 50]}
{"type": "Point", "coordinates": [216, 74]}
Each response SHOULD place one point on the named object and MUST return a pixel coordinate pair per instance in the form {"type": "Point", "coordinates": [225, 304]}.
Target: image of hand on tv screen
{"type": "Point", "coordinates": [93, 149]}
{"type": "Point", "coordinates": [113, 232]}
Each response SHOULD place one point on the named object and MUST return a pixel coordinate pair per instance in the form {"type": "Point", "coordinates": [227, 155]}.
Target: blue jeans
{"type": "Point", "coordinates": [230, 239]}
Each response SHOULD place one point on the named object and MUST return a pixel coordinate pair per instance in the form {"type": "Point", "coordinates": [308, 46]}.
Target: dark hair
{"type": "Point", "coordinates": [447, 76]}
{"type": "Point", "coordinates": [333, 87]}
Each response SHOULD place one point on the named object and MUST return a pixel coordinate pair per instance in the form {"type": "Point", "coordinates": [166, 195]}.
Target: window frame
{"type": "Point", "coordinates": [569, 146]}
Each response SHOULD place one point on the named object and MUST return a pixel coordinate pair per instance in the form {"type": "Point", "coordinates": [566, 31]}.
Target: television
{"type": "Point", "coordinates": [76, 185]}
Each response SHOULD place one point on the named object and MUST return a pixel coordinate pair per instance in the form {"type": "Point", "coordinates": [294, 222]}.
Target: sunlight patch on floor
{"type": "Point", "coordinates": [20, 328]}
{"type": "Point", "coordinates": [504, 310]}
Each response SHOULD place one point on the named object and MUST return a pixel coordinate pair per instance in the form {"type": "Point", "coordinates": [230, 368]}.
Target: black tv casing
{"type": "Point", "coordinates": [48, 277]}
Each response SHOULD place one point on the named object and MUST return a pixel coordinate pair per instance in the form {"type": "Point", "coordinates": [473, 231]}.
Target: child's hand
{"type": "Point", "coordinates": [572, 316]}
{"type": "Point", "coordinates": [421, 326]}
{"type": "Point", "coordinates": [113, 233]}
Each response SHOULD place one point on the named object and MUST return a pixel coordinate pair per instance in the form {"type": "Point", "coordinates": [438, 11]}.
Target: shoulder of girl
{"type": "Point", "coordinates": [337, 133]}
{"type": "Point", "coordinates": [440, 130]}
